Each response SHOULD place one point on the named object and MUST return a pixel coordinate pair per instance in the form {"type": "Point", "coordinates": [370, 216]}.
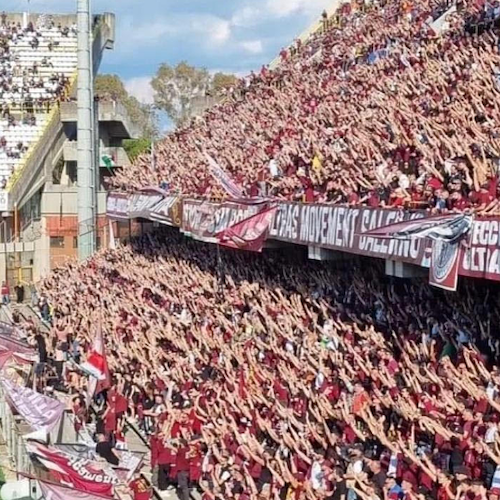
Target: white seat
{"type": "Point", "coordinates": [62, 59]}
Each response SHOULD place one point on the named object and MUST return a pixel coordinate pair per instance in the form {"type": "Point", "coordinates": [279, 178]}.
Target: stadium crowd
{"type": "Point", "coordinates": [268, 377]}
{"type": "Point", "coordinates": [378, 108]}
{"type": "Point", "coordinates": [21, 84]}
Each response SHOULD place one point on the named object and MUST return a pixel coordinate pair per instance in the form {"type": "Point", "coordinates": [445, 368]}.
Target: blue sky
{"type": "Point", "coordinates": [221, 35]}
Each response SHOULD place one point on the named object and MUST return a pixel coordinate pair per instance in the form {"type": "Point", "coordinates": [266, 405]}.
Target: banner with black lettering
{"type": "Point", "coordinates": [40, 412]}
{"type": "Point", "coordinates": [343, 228]}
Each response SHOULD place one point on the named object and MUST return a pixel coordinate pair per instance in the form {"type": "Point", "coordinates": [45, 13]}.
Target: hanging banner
{"type": "Point", "coordinates": [344, 228]}
{"type": "Point", "coordinates": [40, 412]}
{"type": "Point", "coordinates": [334, 227]}
{"type": "Point", "coordinates": [117, 206]}
{"type": "Point", "coordinates": [168, 211]}
{"type": "Point", "coordinates": [481, 259]}
{"type": "Point", "coordinates": [9, 330]}
{"type": "Point", "coordinates": [249, 234]}
{"type": "Point", "coordinates": [71, 470]}
{"type": "Point", "coordinates": [203, 220]}
{"type": "Point", "coordinates": [450, 227]}
{"type": "Point", "coordinates": [15, 367]}
{"type": "Point", "coordinates": [17, 358]}
{"type": "Point", "coordinates": [140, 204]}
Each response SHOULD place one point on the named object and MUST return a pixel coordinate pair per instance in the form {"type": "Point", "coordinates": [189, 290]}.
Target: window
{"type": "Point", "coordinates": [75, 241]}
{"type": "Point", "coordinates": [72, 171]}
{"type": "Point", "coordinates": [57, 242]}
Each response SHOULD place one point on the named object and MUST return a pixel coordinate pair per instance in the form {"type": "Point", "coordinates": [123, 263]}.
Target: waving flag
{"type": "Point", "coordinates": [442, 227]}
{"type": "Point", "coordinates": [231, 188]}
{"type": "Point", "coordinates": [97, 366]}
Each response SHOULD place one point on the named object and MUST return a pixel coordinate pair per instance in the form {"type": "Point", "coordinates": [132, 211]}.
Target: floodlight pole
{"type": "Point", "coordinates": [86, 161]}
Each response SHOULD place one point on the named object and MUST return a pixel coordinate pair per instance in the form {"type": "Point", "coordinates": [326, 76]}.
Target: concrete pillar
{"type": "Point", "coordinates": [86, 161]}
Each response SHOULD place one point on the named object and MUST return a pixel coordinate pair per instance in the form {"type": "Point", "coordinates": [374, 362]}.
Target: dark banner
{"type": "Point", "coordinates": [482, 258]}
{"type": "Point", "coordinates": [203, 220]}
{"type": "Point", "coordinates": [342, 228]}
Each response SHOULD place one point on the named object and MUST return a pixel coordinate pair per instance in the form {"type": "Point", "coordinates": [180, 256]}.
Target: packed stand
{"type": "Point", "coordinates": [262, 377]}
{"type": "Point", "coordinates": [379, 109]}
{"type": "Point", "coordinates": [36, 64]}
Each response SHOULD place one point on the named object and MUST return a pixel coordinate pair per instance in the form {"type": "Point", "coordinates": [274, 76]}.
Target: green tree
{"type": "Point", "coordinates": [176, 87]}
{"type": "Point", "coordinates": [136, 147]}
{"type": "Point", "coordinates": [111, 87]}
{"type": "Point", "coordinates": [223, 81]}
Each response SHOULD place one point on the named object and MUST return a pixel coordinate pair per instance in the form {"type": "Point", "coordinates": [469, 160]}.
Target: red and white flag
{"type": "Point", "coordinates": [249, 234]}
{"type": "Point", "coordinates": [97, 366]}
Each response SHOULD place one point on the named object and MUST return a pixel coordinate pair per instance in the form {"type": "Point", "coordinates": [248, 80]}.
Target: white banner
{"type": "Point", "coordinates": [40, 412]}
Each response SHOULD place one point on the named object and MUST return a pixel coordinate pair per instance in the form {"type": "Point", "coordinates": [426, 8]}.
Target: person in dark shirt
{"type": "Point", "coordinates": [105, 450]}
{"type": "Point", "coordinates": [42, 354]}
{"type": "Point", "coordinates": [42, 347]}
{"type": "Point", "coordinates": [19, 289]}
{"type": "Point", "coordinates": [378, 475]}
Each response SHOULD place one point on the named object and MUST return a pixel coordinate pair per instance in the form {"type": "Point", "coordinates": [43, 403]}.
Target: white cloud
{"type": "Point", "coordinates": [246, 17]}
{"type": "Point", "coordinates": [140, 88]}
{"type": "Point", "coordinates": [218, 30]}
{"type": "Point", "coordinates": [214, 30]}
{"type": "Point", "coordinates": [252, 46]}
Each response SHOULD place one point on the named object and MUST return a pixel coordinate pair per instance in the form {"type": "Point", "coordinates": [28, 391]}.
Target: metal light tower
{"type": "Point", "coordinates": [86, 162]}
